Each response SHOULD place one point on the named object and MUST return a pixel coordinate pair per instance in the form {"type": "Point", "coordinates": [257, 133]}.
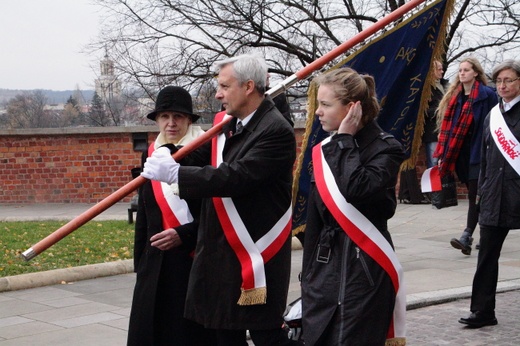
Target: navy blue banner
{"type": "Point", "coordinates": [400, 61]}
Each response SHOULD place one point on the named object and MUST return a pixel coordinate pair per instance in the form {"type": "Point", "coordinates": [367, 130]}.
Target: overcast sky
{"type": "Point", "coordinates": [40, 44]}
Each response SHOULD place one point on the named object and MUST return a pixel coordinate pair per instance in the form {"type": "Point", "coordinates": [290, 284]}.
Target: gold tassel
{"type": "Point", "coordinates": [253, 296]}
{"type": "Point", "coordinates": [395, 342]}
{"type": "Point", "coordinates": [298, 230]}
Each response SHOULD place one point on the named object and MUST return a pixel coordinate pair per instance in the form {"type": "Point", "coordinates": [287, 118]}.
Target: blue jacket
{"type": "Point", "coordinates": [486, 100]}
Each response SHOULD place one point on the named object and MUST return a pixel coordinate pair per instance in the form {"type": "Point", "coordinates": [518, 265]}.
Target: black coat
{"type": "Point", "coordinates": [431, 133]}
{"type": "Point", "coordinates": [499, 183]}
{"type": "Point", "coordinates": [351, 293]}
{"type": "Point", "coordinates": [280, 102]}
{"type": "Point", "coordinates": [156, 315]}
{"type": "Point", "coordinates": [257, 174]}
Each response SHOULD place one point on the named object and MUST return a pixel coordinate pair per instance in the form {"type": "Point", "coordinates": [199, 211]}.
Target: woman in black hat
{"type": "Point", "coordinates": [165, 236]}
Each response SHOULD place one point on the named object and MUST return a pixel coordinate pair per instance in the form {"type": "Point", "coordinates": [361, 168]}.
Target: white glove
{"type": "Point", "coordinates": [161, 166]}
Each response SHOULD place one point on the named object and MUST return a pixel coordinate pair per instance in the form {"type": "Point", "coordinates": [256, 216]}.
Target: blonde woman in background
{"type": "Point", "coordinates": [464, 106]}
{"type": "Point", "coordinates": [430, 135]}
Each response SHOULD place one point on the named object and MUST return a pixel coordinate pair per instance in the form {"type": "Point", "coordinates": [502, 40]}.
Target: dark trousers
{"type": "Point", "coordinates": [486, 275]}
{"type": "Point", "coordinates": [269, 337]}
{"type": "Point", "coordinates": [409, 189]}
{"type": "Point", "coordinates": [472, 219]}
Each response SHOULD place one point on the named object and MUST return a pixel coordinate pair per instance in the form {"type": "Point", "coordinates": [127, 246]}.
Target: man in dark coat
{"type": "Point", "coordinates": [498, 191]}
{"type": "Point", "coordinates": [280, 102]}
{"type": "Point", "coordinates": [240, 275]}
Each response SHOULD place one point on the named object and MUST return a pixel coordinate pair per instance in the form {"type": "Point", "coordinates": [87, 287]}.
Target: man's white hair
{"type": "Point", "coordinates": [247, 67]}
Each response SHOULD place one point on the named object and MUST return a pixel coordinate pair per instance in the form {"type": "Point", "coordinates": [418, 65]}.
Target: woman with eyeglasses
{"type": "Point", "coordinates": [499, 191]}
{"type": "Point", "coordinates": [464, 107]}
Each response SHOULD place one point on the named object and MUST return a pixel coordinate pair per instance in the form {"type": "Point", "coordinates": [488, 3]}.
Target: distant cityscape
{"type": "Point", "coordinates": [107, 105]}
{"type": "Point", "coordinates": [107, 86]}
{"type": "Point", "coordinates": [54, 97]}
{"type": "Point", "coordinates": [110, 99]}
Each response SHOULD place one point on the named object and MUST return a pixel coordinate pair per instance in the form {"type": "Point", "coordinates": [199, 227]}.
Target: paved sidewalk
{"type": "Point", "coordinates": [88, 311]}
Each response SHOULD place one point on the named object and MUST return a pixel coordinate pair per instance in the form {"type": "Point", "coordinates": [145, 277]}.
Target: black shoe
{"type": "Point", "coordinates": [464, 243]}
{"type": "Point", "coordinates": [479, 319]}
{"type": "Point", "coordinates": [457, 244]}
{"type": "Point", "coordinates": [477, 247]}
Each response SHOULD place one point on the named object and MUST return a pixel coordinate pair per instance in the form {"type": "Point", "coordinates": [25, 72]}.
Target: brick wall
{"type": "Point", "coordinates": [70, 165]}
{"type": "Point", "coordinates": [77, 165]}
{"type": "Point", "coordinates": [66, 165]}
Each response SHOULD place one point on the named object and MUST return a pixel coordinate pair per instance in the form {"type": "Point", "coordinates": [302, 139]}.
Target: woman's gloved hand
{"type": "Point", "coordinates": [161, 166]}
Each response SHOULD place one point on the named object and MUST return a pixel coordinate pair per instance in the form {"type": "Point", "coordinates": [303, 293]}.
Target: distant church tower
{"type": "Point", "coordinates": [108, 87]}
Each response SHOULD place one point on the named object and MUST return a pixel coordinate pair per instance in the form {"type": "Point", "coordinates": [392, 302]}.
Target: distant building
{"type": "Point", "coordinates": [54, 107]}
{"type": "Point", "coordinates": [108, 86]}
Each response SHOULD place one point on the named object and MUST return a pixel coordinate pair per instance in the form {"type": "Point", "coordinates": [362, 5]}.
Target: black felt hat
{"type": "Point", "coordinates": [174, 99]}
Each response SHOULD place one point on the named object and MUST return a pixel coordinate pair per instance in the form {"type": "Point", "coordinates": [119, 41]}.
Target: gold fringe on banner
{"type": "Point", "coordinates": [311, 108]}
{"type": "Point", "coordinates": [395, 342]}
{"type": "Point", "coordinates": [253, 296]}
{"type": "Point", "coordinates": [298, 229]}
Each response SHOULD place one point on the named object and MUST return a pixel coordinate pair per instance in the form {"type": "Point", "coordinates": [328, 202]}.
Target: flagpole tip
{"type": "Point", "coordinates": [28, 254]}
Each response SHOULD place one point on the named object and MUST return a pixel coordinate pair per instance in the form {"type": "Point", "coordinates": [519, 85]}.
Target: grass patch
{"type": "Point", "coordinates": [94, 242]}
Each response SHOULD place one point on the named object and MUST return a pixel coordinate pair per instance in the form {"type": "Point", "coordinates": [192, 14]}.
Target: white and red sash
{"type": "Point", "coordinates": [365, 235]}
{"type": "Point", "coordinates": [431, 180]}
{"type": "Point", "coordinates": [174, 210]}
{"type": "Point", "coordinates": [251, 255]}
{"type": "Point", "coordinates": [505, 140]}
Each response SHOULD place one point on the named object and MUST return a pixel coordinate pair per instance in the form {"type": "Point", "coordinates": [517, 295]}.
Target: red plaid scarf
{"type": "Point", "coordinates": [450, 142]}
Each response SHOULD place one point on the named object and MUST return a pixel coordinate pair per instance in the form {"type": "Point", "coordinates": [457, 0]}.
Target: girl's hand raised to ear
{"type": "Point", "coordinates": [351, 124]}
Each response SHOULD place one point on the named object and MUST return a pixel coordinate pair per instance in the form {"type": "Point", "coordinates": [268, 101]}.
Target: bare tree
{"type": "Point", "coordinates": [114, 108]}
{"type": "Point", "coordinates": [160, 42]}
{"type": "Point", "coordinates": [119, 109]}
{"type": "Point", "coordinates": [488, 30]}
{"type": "Point", "coordinates": [27, 110]}
{"type": "Point", "coordinates": [205, 102]}
{"type": "Point", "coordinates": [71, 114]}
